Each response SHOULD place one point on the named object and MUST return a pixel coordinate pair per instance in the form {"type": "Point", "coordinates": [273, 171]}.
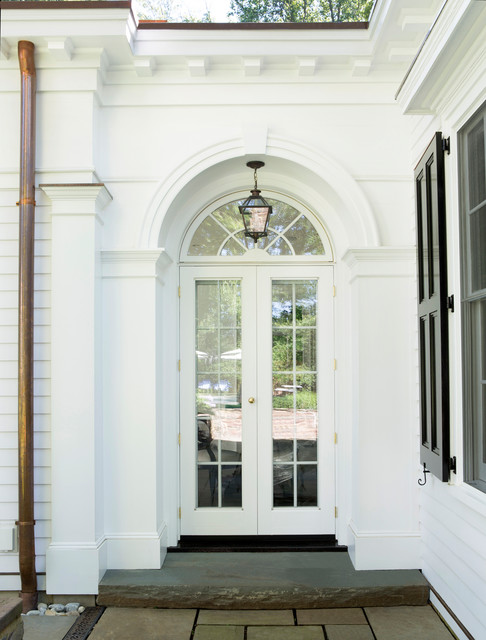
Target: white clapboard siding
{"type": "Point", "coordinates": [454, 552]}
{"type": "Point", "coordinates": [9, 382]}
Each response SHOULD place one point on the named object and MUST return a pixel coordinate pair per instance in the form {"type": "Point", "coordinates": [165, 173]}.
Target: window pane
{"type": "Point", "coordinates": [307, 485]}
{"type": "Point", "coordinates": [304, 238]}
{"type": "Point", "coordinates": [283, 349]}
{"type": "Point", "coordinates": [305, 349]}
{"type": "Point", "coordinates": [231, 486]}
{"type": "Point", "coordinates": [280, 248]}
{"type": "Point", "coordinates": [207, 486]}
{"type": "Point", "coordinates": [477, 230]}
{"type": "Point", "coordinates": [229, 216]}
{"type": "Point", "coordinates": [233, 248]}
{"type": "Point", "coordinates": [306, 302]}
{"type": "Point", "coordinates": [283, 485]}
{"type": "Point", "coordinates": [207, 238]}
{"type": "Point", "coordinates": [476, 165]}
{"type": "Point", "coordinates": [283, 214]}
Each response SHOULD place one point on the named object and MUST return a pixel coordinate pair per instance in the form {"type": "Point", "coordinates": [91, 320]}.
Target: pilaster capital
{"type": "Point", "coordinates": [379, 262]}
{"type": "Point", "coordinates": [78, 198]}
{"type": "Point", "coordinates": [134, 263]}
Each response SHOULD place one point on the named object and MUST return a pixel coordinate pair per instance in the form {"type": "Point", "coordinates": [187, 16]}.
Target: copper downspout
{"type": "Point", "coordinates": [26, 521]}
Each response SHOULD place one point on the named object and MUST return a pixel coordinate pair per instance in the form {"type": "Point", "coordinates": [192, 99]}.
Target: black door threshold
{"type": "Point", "coordinates": [257, 544]}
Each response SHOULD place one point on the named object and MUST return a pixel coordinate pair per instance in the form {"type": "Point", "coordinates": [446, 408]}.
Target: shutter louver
{"type": "Point", "coordinates": [432, 310]}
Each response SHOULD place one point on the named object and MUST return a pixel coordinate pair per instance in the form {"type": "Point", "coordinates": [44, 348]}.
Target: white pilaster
{"type": "Point", "coordinates": [381, 375]}
{"type": "Point", "coordinates": [76, 555]}
{"type": "Point", "coordinates": [136, 534]}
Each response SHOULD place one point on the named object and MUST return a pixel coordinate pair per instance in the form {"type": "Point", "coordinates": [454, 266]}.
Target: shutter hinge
{"type": "Point", "coordinates": [452, 464]}
{"type": "Point", "coordinates": [446, 145]}
{"type": "Point", "coordinates": [179, 291]}
{"type": "Point", "coordinates": [180, 513]}
{"type": "Point", "coordinates": [450, 303]}
{"type": "Point", "coordinates": [335, 512]}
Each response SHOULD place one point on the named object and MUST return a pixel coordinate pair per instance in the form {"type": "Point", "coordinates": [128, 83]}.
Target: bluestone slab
{"type": "Point", "coordinates": [47, 627]}
{"type": "Point", "coordinates": [281, 580]}
{"type": "Point", "coordinates": [146, 624]}
{"type": "Point", "coordinates": [331, 616]}
{"type": "Point", "coordinates": [285, 633]}
{"type": "Point", "coordinates": [349, 632]}
{"type": "Point", "coordinates": [407, 623]}
{"type": "Point", "coordinates": [210, 632]}
{"type": "Point", "coordinates": [245, 618]}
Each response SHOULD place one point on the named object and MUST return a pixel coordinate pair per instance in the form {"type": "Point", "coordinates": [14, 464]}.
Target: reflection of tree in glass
{"type": "Point", "coordinates": [289, 232]}
{"type": "Point", "coordinates": [284, 312]}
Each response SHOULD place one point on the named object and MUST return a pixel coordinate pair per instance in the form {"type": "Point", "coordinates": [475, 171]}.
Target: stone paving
{"type": "Point", "coordinates": [368, 623]}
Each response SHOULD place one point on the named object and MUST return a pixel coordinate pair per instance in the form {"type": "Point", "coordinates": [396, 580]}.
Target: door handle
{"type": "Point", "coordinates": [251, 400]}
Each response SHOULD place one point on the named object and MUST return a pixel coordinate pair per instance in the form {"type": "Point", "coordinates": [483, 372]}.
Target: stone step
{"type": "Point", "coordinates": [278, 580]}
{"type": "Point", "coordinates": [11, 625]}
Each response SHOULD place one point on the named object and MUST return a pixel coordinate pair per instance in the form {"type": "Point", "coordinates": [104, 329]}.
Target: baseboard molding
{"type": "Point", "coordinates": [137, 550]}
{"type": "Point", "coordinates": [75, 568]}
{"type": "Point", "coordinates": [384, 550]}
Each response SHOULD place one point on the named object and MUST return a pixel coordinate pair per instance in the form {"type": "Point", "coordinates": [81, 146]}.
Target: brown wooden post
{"type": "Point", "coordinates": [26, 521]}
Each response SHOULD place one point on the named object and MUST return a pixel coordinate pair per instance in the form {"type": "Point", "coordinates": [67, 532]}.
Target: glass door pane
{"type": "Point", "coordinates": [218, 393]}
{"type": "Point", "coordinates": [294, 396]}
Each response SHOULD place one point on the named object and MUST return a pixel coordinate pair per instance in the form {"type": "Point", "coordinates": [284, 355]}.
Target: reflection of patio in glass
{"type": "Point", "coordinates": [287, 424]}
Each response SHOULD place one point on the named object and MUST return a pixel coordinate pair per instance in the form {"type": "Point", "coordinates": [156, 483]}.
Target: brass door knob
{"type": "Point", "coordinates": [251, 400]}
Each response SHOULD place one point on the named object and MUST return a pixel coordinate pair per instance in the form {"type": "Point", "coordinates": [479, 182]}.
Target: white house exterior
{"type": "Point", "coordinates": [142, 132]}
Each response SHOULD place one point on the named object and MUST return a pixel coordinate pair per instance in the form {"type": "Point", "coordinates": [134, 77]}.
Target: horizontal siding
{"type": "Point", "coordinates": [9, 381]}
{"type": "Point", "coordinates": [454, 552]}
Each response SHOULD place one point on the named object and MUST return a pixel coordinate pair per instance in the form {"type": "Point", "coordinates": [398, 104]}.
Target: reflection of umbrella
{"type": "Point", "coordinates": [201, 354]}
{"type": "Point", "coordinates": [231, 355]}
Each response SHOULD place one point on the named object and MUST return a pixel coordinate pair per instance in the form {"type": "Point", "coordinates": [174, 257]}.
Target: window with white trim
{"type": "Point", "coordinates": [472, 139]}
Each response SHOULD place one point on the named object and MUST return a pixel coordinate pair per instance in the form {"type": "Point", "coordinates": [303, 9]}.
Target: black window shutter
{"type": "Point", "coordinates": [432, 310]}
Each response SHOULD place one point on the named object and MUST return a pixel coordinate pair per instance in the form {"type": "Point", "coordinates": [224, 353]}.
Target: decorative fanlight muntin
{"type": "Point", "coordinates": [255, 210]}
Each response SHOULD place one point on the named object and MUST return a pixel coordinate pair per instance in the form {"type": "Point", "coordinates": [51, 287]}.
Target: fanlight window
{"type": "Point", "coordinates": [290, 233]}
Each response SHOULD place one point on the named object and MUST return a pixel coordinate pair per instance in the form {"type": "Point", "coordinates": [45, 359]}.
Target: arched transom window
{"type": "Point", "coordinates": [291, 233]}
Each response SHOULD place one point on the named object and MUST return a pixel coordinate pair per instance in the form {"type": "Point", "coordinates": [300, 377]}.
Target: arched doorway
{"type": "Point", "coordinates": [256, 391]}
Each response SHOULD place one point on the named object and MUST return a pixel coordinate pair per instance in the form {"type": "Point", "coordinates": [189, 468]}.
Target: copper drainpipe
{"type": "Point", "coordinates": [26, 203]}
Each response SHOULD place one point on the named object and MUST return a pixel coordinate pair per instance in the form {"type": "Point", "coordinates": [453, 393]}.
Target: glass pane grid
{"type": "Point", "coordinates": [294, 423]}
{"type": "Point", "coordinates": [218, 384]}
{"type": "Point", "coordinates": [290, 233]}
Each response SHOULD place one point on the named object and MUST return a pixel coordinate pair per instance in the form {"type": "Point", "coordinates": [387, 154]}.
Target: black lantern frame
{"type": "Point", "coordinates": [255, 210]}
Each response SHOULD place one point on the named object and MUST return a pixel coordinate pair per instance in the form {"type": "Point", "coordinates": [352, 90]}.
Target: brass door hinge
{"type": "Point", "coordinates": [179, 365]}
{"type": "Point", "coordinates": [333, 291]}
{"type": "Point", "coordinates": [179, 439]}
{"type": "Point", "coordinates": [179, 291]}
{"type": "Point", "coordinates": [335, 512]}
{"type": "Point", "coordinates": [335, 438]}
{"type": "Point", "coordinates": [334, 364]}
{"type": "Point", "coordinates": [180, 513]}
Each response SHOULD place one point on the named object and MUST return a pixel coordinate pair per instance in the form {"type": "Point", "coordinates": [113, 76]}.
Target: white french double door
{"type": "Point", "coordinates": [256, 400]}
